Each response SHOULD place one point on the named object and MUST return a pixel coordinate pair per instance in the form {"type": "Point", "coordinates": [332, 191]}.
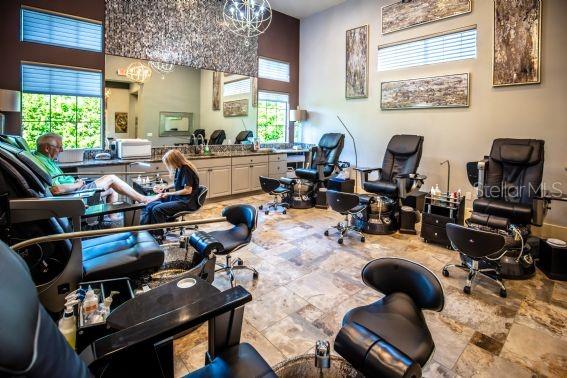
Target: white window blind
{"type": "Point", "coordinates": [273, 96]}
{"type": "Point", "coordinates": [237, 87]}
{"type": "Point", "coordinates": [442, 48]}
{"type": "Point", "coordinates": [51, 29]}
{"type": "Point", "coordinates": [273, 70]}
{"type": "Point", "coordinates": [61, 81]}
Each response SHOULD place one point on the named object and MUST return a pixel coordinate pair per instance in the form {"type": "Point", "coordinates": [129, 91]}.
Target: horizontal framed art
{"type": "Point", "coordinates": [449, 91]}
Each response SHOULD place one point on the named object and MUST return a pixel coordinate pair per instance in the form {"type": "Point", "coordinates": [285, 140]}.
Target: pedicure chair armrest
{"type": "Point", "coordinates": [372, 355]}
{"type": "Point", "coordinates": [34, 209]}
{"type": "Point", "coordinates": [171, 324]}
{"type": "Point", "coordinates": [475, 172]}
{"type": "Point", "coordinates": [287, 181]}
{"type": "Point", "coordinates": [416, 180]}
{"type": "Point", "coordinates": [365, 171]}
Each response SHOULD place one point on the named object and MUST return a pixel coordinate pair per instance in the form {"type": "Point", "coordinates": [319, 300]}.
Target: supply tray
{"type": "Point", "coordinates": [443, 205]}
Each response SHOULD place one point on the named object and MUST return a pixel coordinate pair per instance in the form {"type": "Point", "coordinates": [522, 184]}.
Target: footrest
{"type": "Point", "coordinates": [205, 244]}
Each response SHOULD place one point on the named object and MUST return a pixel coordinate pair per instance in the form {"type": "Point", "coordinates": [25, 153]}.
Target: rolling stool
{"type": "Point", "coordinates": [347, 204]}
{"type": "Point", "coordinates": [201, 198]}
{"type": "Point", "coordinates": [274, 188]}
{"type": "Point", "coordinates": [480, 253]}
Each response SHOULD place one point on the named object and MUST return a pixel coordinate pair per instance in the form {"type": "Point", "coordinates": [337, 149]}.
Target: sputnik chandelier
{"type": "Point", "coordinates": [247, 18]}
{"type": "Point", "coordinates": [138, 72]}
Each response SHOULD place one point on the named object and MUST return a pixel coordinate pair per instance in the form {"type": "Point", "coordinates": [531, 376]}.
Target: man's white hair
{"type": "Point", "coordinates": [47, 139]}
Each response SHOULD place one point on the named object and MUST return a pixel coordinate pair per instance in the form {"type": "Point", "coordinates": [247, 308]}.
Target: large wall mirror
{"type": "Point", "coordinates": [175, 101]}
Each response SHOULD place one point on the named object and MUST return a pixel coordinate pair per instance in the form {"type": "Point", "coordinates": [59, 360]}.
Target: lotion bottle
{"type": "Point", "coordinates": [68, 324]}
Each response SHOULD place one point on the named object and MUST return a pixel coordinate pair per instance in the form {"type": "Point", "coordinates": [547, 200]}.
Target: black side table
{"type": "Point", "coordinates": [437, 212]}
{"type": "Point", "coordinates": [553, 261]}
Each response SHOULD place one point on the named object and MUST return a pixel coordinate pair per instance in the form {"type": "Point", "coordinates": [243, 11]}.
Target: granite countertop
{"type": "Point", "coordinates": [215, 155]}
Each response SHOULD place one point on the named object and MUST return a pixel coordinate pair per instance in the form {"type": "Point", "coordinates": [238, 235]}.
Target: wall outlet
{"type": "Point", "coordinates": [149, 135]}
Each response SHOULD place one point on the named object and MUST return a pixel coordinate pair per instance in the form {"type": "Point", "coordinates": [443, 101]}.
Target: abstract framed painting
{"type": "Point", "coordinates": [517, 42]}
{"type": "Point", "coordinates": [356, 78]}
{"type": "Point", "coordinates": [216, 90]}
{"type": "Point", "coordinates": [449, 91]}
{"type": "Point", "coordinates": [237, 108]}
{"type": "Point", "coordinates": [407, 14]}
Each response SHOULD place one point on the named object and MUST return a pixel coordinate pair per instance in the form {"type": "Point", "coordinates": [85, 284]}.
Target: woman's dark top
{"type": "Point", "coordinates": [184, 177]}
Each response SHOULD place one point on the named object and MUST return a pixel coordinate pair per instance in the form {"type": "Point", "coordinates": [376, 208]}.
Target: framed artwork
{"type": "Point", "coordinates": [121, 122]}
{"type": "Point", "coordinates": [254, 92]}
{"type": "Point", "coordinates": [356, 78]}
{"type": "Point", "coordinates": [517, 42]}
{"type": "Point", "coordinates": [407, 14]}
{"type": "Point", "coordinates": [237, 108]}
{"type": "Point", "coordinates": [450, 91]}
{"type": "Point", "coordinates": [216, 90]}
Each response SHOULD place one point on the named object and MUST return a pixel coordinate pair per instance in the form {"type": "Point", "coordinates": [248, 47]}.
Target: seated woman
{"type": "Point", "coordinates": [184, 198]}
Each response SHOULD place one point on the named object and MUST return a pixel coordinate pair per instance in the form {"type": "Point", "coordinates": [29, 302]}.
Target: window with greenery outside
{"type": "Point", "coordinates": [77, 119]}
{"type": "Point", "coordinates": [272, 121]}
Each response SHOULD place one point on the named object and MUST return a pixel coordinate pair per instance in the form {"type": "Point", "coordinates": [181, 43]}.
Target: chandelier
{"type": "Point", "coordinates": [138, 72]}
{"type": "Point", "coordinates": [162, 68]}
{"type": "Point", "coordinates": [247, 18]}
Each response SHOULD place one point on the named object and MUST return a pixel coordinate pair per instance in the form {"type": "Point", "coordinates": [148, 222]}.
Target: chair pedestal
{"type": "Point", "coordinates": [344, 228]}
{"type": "Point", "coordinates": [473, 268]}
{"type": "Point", "coordinates": [236, 264]}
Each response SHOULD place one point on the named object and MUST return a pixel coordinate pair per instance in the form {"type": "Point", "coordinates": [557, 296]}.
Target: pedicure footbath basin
{"type": "Point", "coordinates": [304, 366]}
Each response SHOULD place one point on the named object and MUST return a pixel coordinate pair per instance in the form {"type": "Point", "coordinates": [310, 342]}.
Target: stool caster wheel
{"type": "Point", "coordinates": [340, 241]}
{"type": "Point", "coordinates": [503, 293]}
{"type": "Point", "coordinates": [267, 212]}
{"type": "Point", "coordinates": [255, 275]}
{"type": "Point", "coordinates": [284, 212]}
{"type": "Point", "coordinates": [467, 289]}
{"type": "Point", "coordinates": [261, 207]}
{"type": "Point", "coordinates": [326, 233]}
{"type": "Point", "coordinates": [239, 262]}
{"type": "Point", "coordinates": [362, 239]}
{"type": "Point", "coordinates": [445, 273]}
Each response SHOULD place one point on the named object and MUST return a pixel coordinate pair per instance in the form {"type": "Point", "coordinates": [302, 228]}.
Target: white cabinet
{"type": "Point", "coordinates": [96, 172]}
{"type": "Point", "coordinates": [241, 178]}
{"type": "Point", "coordinates": [246, 171]}
{"type": "Point", "coordinates": [215, 174]}
{"type": "Point", "coordinates": [258, 170]}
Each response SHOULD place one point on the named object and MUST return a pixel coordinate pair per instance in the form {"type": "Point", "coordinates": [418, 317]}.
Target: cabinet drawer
{"type": "Point", "coordinates": [437, 220]}
{"type": "Point", "coordinates": [278, 157]}
{"type": "Point", "coordinates": [247, 160]}
{"type": "Point", "coordinates": [105, 170]}
{"type": "Point", "coordinates": [434, 234]}
{"type": "Point", "coordinates": [211, 162]}
{"type": "Point", "coordinates": [278, 168]}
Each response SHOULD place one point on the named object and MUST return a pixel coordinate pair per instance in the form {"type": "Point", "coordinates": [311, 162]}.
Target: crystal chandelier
{"type": "Point", "coordinates": [162, 68]}
{"type": "Point", "coordinates": [138, 72]}
{"type": "Point", "coordinates": [247, 18]}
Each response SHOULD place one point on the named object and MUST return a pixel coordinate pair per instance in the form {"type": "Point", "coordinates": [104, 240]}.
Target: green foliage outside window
{"type": "Point", "coordinates": [76, 119]}
{"type": "Point", "coordinates": [272, 119]}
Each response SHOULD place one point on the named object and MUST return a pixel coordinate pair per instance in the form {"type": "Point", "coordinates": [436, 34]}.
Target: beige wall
{"type": "Point", "coordinates": [461, 135]}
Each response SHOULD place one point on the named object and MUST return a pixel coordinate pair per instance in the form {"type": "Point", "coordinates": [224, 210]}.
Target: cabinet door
{"type": "Point", "coordinates": [257, 171]}
{"type": "Point", "coordinates": [220, 181]}
{"type": "Point", "coordinates": [204, 178]}
{"type": "Point", "coordinates": [241, 179]}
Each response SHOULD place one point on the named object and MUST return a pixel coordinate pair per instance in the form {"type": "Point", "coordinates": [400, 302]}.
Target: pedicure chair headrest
{"type": "Point", "coordinates": [404, 144]}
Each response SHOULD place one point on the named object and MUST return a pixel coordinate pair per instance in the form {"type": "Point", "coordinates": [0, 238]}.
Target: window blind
{"type": "Point", "coordinates": [273, 96]}
{"type": "Point", "coordinates": [50, 29]}
{"type": "Point", "coordinates": [237, 87]}
{"type": "Point", "coordinates": [273, 70]}
{"type": "Point", "coordinates": [61, 81]}
{"type": "Point", "coordinates": [443, 48]}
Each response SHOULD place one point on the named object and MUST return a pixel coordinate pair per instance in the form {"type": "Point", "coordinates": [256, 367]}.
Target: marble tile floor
{"type": "Point", "coordinates": [308, 282]}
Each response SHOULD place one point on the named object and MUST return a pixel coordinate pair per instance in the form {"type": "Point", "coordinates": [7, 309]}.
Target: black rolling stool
{"type": "Point", "coordinates": [480, 254]}
{"type": "Point", "coordinates": [347, 204]}
{"type": "Point", "coordinates": [202, 192]}
{"type": "Point", "coordinates": [274, 188]}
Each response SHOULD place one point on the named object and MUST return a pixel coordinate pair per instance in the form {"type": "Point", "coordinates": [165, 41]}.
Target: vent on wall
{"type": "Point", "coordinates": [451, 46]}
{"type": "Point", "coordinates": [51, 29]}
{"type": "Point", "coordinates": [273, 70]}
{"type": "Point", "coordinates": [60, 81]}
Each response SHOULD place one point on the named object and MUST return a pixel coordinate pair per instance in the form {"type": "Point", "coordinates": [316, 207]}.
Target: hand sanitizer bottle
{"type": "Point", "coordinates": [68, 324]}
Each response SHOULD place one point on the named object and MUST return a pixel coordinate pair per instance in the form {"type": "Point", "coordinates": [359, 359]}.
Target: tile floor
{"type": "Point", "coordinates": [308, 282]}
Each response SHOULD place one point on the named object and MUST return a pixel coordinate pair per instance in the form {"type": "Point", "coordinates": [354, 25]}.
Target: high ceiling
{"type": "Point", "coordinates": [303, 8]}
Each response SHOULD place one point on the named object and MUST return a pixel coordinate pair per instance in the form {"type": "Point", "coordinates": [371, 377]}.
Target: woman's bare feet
{"type": "Point", "coordinates": [150, 199]}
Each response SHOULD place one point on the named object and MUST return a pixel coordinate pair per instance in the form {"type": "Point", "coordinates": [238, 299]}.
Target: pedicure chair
{"type": "Point", "coordinates": [323, 166]}
{"type": "Point", "coordinates": [397, 180]}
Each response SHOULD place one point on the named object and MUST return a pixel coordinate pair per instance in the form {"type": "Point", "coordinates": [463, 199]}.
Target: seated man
{"type": "Point", "coordinates": [50, 145]}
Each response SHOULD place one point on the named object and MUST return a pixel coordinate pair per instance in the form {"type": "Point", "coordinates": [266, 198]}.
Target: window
{"type": "Point", "coordinates": [237, 87]}
{"type": "Point", "coordinates": [63, 101]}
{"type": "Point", "coordinates": [273, 70]}
{"type": "Point", "coordinates": [273, 109]}
{"type": "Point", "coordinates": [433, 49]}
{"type": "Point", "coordinates": [50, 29]}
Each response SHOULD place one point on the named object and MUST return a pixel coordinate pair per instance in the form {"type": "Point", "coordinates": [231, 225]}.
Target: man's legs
{"type": "Point", "coordinates": [119, 187]}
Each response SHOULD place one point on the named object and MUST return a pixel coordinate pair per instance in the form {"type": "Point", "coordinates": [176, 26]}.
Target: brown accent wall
{"type": "Point", "coordinates": [14, 52]}
{"type": "Point", "coordinates": [281, 42]}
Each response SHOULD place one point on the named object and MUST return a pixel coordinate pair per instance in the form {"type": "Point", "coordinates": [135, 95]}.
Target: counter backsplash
{"type": "Point", "coordinates": [157, 152]}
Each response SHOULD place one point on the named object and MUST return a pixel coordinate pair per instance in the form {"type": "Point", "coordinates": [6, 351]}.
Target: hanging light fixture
{"type": "Point", "coordinates": [247, 18]}
{"type": "Point", "coordinates": [138, 72]}
{"type": "Point", "coordinates": [162, 68]}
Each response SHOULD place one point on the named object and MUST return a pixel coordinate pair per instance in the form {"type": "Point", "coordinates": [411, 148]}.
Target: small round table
{"type": "Point", "coordinates": [304, 366]}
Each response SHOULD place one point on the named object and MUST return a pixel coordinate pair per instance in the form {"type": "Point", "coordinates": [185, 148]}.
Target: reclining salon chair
{"type": "Point", "coordinates": [323, 165]}
{"type": "Point", "coordinates": [32, 346]}
{"type": "Point", "coordinates": [217, 137]}
{"type": "Point", "coordinates": [390, 338]}
{"type": "Point", "coordinates": [510, 199]}
{"type": "Point", "coordinates": [396, 179]}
